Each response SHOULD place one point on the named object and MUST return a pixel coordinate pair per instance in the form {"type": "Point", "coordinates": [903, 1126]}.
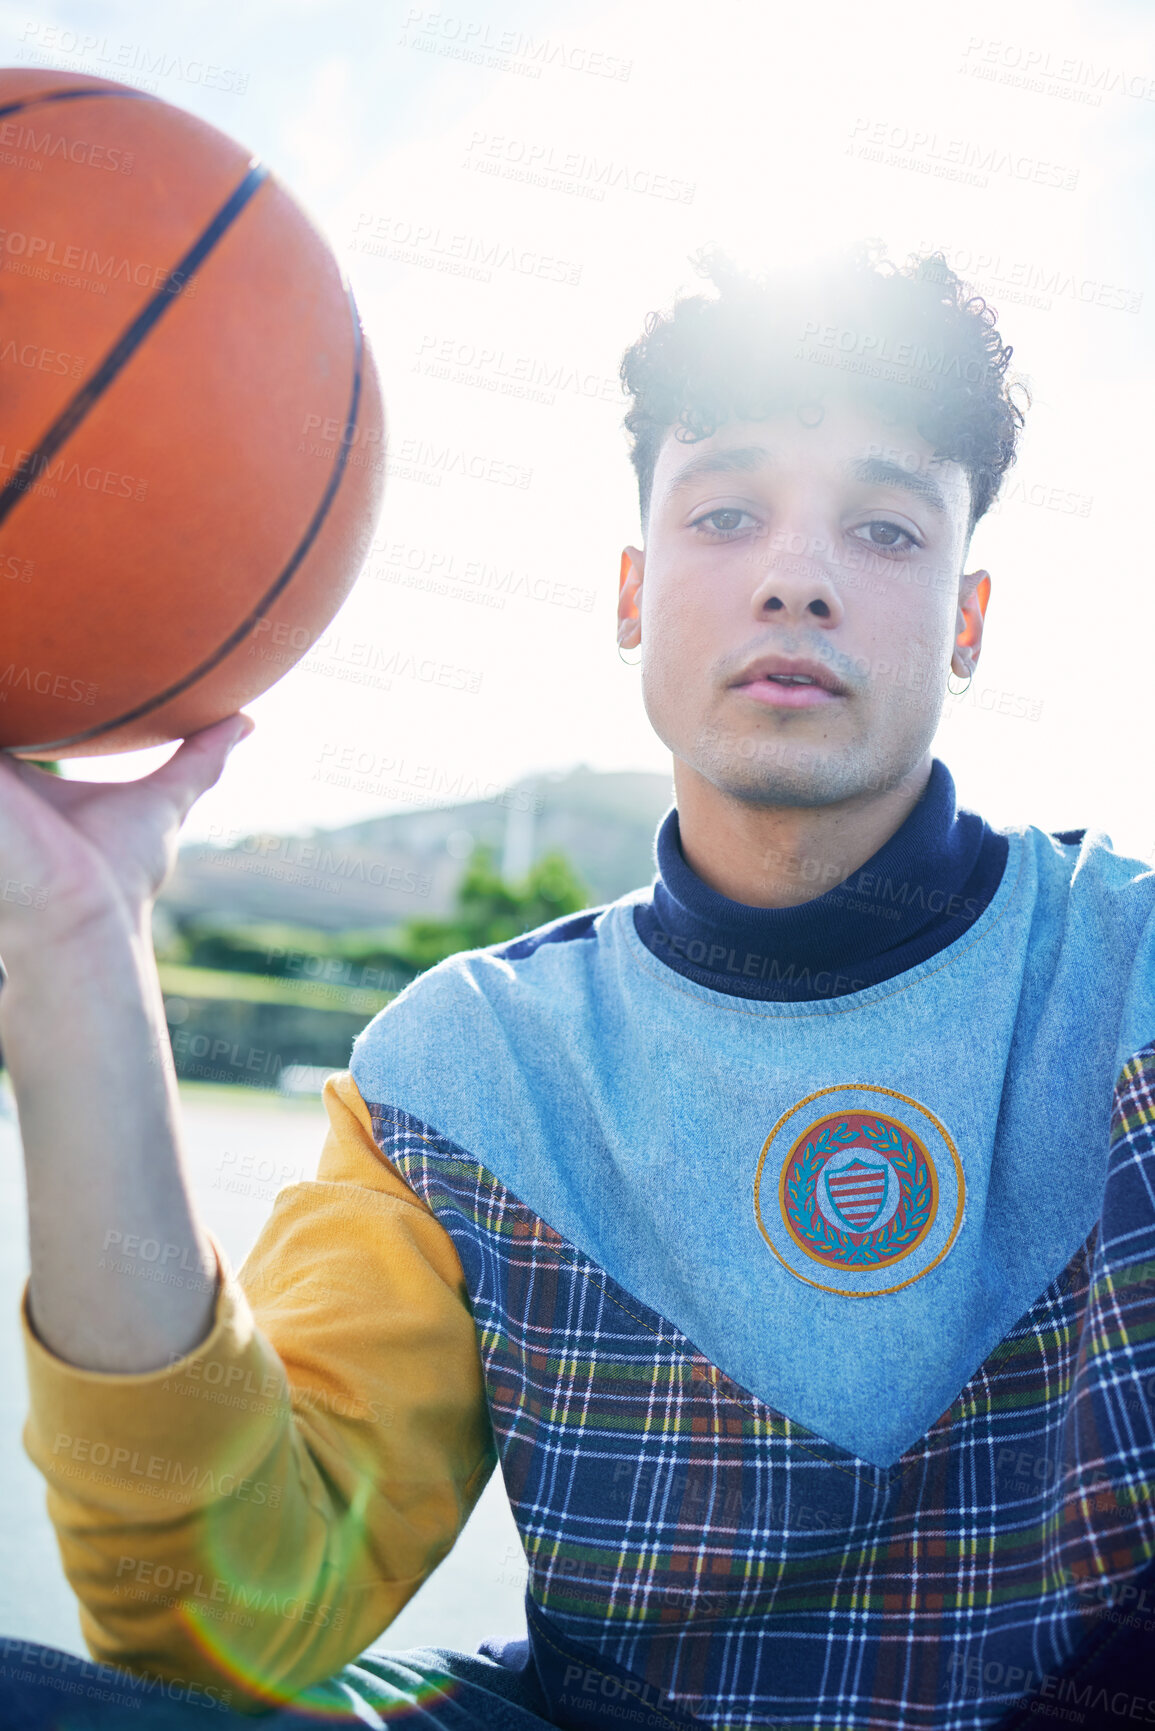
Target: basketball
{"type": "Point", "coordinates": [192, 444]}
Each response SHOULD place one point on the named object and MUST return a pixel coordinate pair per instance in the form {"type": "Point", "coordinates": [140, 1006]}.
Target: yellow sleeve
{"type": "Point", "coordinates": [252, 1517]}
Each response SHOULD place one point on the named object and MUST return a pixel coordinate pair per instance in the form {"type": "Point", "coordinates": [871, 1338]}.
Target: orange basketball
{"type": "Point", "coordinates": [191, 432]}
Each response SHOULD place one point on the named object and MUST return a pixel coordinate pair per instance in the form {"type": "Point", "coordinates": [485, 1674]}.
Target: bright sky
{"type": "Point", "coordinates": [1019, 140]}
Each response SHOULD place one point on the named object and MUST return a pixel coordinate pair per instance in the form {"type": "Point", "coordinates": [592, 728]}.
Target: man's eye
{"type": "Point", "coordinates": [886, 536]}
{"type": "Point", "coordinates": [725, 521]}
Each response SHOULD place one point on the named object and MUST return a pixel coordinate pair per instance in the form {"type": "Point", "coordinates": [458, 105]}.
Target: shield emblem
{"type": "Point", "coordinates": [857, 1193]}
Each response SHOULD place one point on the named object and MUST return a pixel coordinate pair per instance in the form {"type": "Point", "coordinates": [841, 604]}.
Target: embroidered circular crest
{"type": "Point", "coordinates": [868, 1182]}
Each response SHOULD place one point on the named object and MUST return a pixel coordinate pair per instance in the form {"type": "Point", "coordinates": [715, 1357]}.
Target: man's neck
{"type": "Point", "coordinates": [782, 856]}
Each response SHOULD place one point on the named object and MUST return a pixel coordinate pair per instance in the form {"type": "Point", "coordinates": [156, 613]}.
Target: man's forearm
{"type": "Point", "coordinates": [83, 1035]}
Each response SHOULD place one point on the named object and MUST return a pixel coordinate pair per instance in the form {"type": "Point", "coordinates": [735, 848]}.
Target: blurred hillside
{"type": "Point", "coordinates": [392, 868]}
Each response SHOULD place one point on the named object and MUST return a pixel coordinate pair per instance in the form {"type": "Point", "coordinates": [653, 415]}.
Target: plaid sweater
{"type": "Point", "coordinates": [700, 1554]}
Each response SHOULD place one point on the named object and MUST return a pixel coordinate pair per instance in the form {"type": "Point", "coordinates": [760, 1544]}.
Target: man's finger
{"type": "Point", "coordinates": [197, 764]}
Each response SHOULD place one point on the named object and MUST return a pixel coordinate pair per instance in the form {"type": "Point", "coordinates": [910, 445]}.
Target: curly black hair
{"type": "Point", "coordinates": [911, 341]}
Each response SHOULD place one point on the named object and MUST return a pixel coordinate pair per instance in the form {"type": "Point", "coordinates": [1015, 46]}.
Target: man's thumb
{"type": "Point", "coordinates": [197, 764]}
{"type": "Point", "coordinates": [245, 727]}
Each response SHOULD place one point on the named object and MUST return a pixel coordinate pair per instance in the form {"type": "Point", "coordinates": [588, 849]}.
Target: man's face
{"type": "Point", "coordinates": [799, 600]}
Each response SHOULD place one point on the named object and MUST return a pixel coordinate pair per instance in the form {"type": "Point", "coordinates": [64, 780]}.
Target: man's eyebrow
{"type": "Point", "coordinates": [879, 472]}
{"type": "Point", "coordinates": [874, 471]}
{"type": "Point", "coordinates": [730, 460]}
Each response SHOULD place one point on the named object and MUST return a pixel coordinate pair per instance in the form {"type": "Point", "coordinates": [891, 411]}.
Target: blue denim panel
{"type": "Point", "coordinates": [628, 1107]}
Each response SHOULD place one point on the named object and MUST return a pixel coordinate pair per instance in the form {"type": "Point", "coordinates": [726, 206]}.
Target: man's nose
{"type": "Point", "coordinates": [796, 588]}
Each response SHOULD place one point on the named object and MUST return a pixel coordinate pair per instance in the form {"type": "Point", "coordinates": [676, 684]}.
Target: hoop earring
{"type": "Point", "coordinates": [626, 663]}
{"type": "Point", "coordinates": [965, 688]}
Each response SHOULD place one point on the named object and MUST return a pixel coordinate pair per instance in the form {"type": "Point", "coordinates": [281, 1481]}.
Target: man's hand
{"type": "Point", "coordinates": [75, 851]}
{"type": "Point", "coordinates": [82, 1029]}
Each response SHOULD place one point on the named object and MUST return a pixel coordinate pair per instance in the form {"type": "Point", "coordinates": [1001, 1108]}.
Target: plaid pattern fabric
{"type": "Point", "coordinates": [747, 1573]}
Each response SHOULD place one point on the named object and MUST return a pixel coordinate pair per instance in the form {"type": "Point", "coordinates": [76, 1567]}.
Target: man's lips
{"type": "Point", "coordinates": [780, 695]}
{"type": "Point", "coordinates": [786, 683]}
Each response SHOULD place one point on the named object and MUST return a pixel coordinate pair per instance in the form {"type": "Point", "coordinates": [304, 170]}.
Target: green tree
{"type": "Point", "coordinates": [491, 911]}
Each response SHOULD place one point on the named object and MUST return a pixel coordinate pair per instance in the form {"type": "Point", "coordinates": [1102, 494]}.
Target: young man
{"type": "Point", "coordinates": [785, 1229]}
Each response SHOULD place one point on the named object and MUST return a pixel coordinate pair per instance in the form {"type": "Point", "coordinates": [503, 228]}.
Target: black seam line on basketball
{"type": "Point", "coordinates": [348, 437]}
{"type": "Point", "coordinates": [126, 346]}
{"type": "Point", "coordinates": [73, 96]}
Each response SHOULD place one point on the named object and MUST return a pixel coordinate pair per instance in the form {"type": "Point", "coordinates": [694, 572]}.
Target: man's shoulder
{"type": "Point", "coordinates": [512, 1018]}
{"type": "Point", "coordinates": [1088, 861]}
{"type": "Point", "coordinates": [1093, 906]}
{"type": "Point", "coordinates": [566, 929]}
{"type": "Point", "coordinates": [543, 976]}
{"type": "Point", "coordinates": [562, 943]}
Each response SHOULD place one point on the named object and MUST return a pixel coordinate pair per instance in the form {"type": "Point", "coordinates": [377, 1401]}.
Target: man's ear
{"type": "Point", "coordinates": [974, 593]}
{"type": "Point", "coordinates": [629, 598]}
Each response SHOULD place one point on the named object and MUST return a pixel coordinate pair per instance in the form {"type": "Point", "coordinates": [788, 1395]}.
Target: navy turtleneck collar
{"type": "Point", "coordinates": [918, 893]}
